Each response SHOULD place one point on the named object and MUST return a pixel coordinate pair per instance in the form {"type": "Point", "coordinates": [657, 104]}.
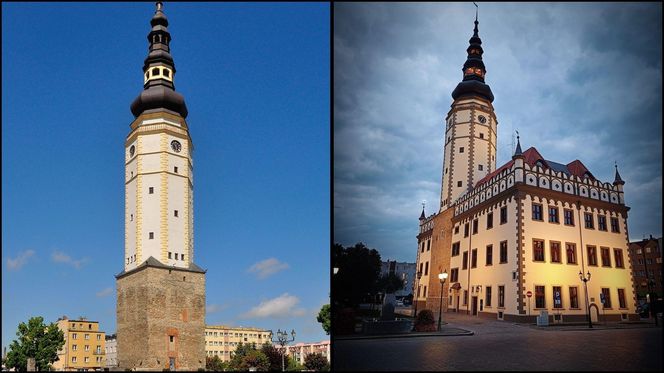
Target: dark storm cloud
{"type": "Point", "coordinates": [578, 80]}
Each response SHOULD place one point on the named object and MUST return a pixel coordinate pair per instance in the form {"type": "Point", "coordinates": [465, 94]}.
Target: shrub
{"type": "Point", "coordinates": [424, 322]}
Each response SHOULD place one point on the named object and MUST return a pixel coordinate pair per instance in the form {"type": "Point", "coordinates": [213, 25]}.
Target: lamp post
{"type": "Point", "coordinates": [419, 276]}
{"type": "Point", "coordinates": [282, 340]}
{"type": "Point", "coordinates": [442, 277]}
{"type": "Point", "coordinates": [585, 287]}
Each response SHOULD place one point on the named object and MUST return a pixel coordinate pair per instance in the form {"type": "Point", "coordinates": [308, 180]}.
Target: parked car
{"type": "Point", "coordinates": [399, 303]}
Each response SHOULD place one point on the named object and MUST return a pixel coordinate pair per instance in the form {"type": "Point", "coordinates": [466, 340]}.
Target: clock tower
{"type": "Point", "coordinates": [470, 129]}
{"type": "Point", "coordinates": [161, 292]}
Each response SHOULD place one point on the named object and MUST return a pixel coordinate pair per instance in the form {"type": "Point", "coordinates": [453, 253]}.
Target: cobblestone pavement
{"type": "Point", "coordinates": [499, 345]}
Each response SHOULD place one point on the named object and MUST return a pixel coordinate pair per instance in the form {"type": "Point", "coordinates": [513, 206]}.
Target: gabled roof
{"type": "Point", "coordinates": [532, 156]}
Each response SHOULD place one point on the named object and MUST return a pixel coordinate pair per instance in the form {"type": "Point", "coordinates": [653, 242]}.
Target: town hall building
{"type": "Point", "coordinates": [520, 238]}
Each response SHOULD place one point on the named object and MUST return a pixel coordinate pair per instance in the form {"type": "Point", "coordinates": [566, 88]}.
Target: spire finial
{"type": "Point", "coordinates": [422, 215]}
{"type": "Point", "coordinates": [618, 179]}
{"type": "Point", "coordinates": [476, 23]}
{"type": "Point", "coordinates": [159, 6]}
{"type": "Point", "coordinates": [518, 145]}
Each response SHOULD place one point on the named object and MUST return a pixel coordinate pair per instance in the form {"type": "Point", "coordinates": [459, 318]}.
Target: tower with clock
{"type": "Point", "coordinates": [161, 292]}
{"type": "Point", "coordinates": [470, 129]}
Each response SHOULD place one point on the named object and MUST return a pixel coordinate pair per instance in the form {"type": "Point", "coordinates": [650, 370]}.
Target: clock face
{"type": "Point", "coordinates": [176, 146]}
{"type": "Point", "coordinates": [132, 150]}
{"type": "Point", "coordinates": [482, 119]}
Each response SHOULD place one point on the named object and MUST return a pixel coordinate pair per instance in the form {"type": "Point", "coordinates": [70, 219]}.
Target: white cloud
{"type": "Point", "coordinates": [60, 257]}
{"type": "Point", "coordinates": [20, 260]}
{"type": "Point", "coordinates": [104, 293]}
{"type": "Point", "coordinates": [268, 267]}
{"type": "Point", "coordinates": [280, 307]}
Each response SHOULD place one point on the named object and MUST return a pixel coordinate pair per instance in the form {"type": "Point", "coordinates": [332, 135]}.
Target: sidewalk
{"type": "Point", "coordinates": [445, 332]}
{"type": "Point", "coordinates": [596, 326]}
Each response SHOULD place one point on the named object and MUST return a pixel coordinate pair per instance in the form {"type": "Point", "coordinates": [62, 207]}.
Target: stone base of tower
{"type": "Point", "coordinates": [161, 318]}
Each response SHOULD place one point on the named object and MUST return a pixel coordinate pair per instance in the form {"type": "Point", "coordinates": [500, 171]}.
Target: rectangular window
{"type": "Point", "coordinates": [169, 255]}
{"type": "Point", "coordinates": [557, 297]}
{"type": "Point", "coordinates": [454, 275]}
{"type": "Point", "coordinates": [176, 258]}
{"type": "Point", "coordinates": [570, 249]}
{"type": "Point", "coordinates": [475, 223]}
{"type": "Point", "coordinates": [182, 257]}
{"type": "Point", "coordinates": [618, 257]}
{"type": "Point", "coordinates": [456, 229]}
{"type": "Point", "coordinates": [460, 151]}
{"type": "Point", "coordinates": [601, 222]}
{"type": "Point", "coordinates": [175, 213]}
{"type": "Point", "coordinates": [489, 220]}
{"type": "Point", "coordinates": [99, 337]}
{"type": "Point", "coordinates": [614, 225]}
{"type": "Point", "coordinates": [592, 255]}
{"type": "Point", "coordinates": [473, 259]}
{"type": "Point", "coordinates": [503, 215]}
{"type": "Point", "coordinates": [74, 347]}
{"type": "Point", "coordinates": [465, 230]}
{"type": "Point", "coordinates": [422, 246]}
{"type": "Point", "coordinates": [425, 291]}
{"type": "Point", "coordinates": [588, 218]}
{"type": "Point", "coordinates": [465, 297]}
{"type": "Point", "coordinates": [537, 212]}
{"type": "Point", "coordinates": [455, 248]}
{"type": "Point", "coordinates": [573, 297]}
{"type": "Point", "coordinates": [501, 296]}
{"type": "Point", "coordinates": [487, 300]}
{"type": "Point", "coordinates": [428, 245]}
{"type": "Point", "coordinates": [606, 256]}
{"type": "Point", "coordinates": [73, 359]}
{"type": "Point", "coordinates": [621, 298]}
{"type": "Point", "coordinates": [87, 336]}
{"type": "Point", "coordinates": [569, 217]}
{"type": "Point", "coordinates": [553, 215]}
{"type": "Point", "coordinates": [421, 267]}
{"type": "Point", "coordinates": [538, 250]}
{"type": "Point", "coordinates": [175, 169]}
{"type": "Point", "coordinates": [480, 167]}
{"type": "Point", "coordinates": [540, 301]}
{"type": "Point", "coordinates": [151, 235]}
{"type": "Point", "coordinates": [489, 255]}
{"type": "Point", "coordinates": [151, 190]}
{"type": "Point", "coordinates": [459, 183]}
{"type": "Point", "coordinates": [464, 265]}
{"type": "Point", "coordinates": [481, 137]}
{"type": "Point", "coordinates": [503, 252]}
{"type": "Point", "coordinates": [426, 266]}
{"type": "Point", "coordinates": [555, 252]}
{"type": "Point", "coordinates": [73, 336]}
{"type": "Point", "coordinates": [607, 297]}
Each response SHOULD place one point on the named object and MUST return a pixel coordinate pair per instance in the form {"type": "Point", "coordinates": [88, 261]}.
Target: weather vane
{"type": "Point", "coordinates": [476, 9]}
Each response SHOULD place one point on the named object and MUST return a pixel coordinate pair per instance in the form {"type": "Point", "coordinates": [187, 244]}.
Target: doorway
{"type": "Point", "coordinates": [457, 303]}
{"type": "Point", "coordinates": [474, 306]}
{"type": "Point", "coordinates": [171, 363]}
{"type": "Point", "coordinates": [594, 313]}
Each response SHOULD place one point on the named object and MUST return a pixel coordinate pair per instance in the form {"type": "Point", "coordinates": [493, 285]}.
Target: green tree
{"type": "Point", "coordinates": [35, 339]}
{"type": "Point", "coordinates": [215, 364]}
{"type": "Point", "coordinates": [324, 318]}
{"type": "Point", "coordinates": [359, 268]}
{"type": "Point", "coordinates": [274, 356]}
{"type": "Point", "coordinates": [389, 283]}
{"type": "Point", "coordinates": [294, 366]}
{"type": "Point", "coordinates": [317, 362]}
{"type": "Point", "coordinates": [247, 356]}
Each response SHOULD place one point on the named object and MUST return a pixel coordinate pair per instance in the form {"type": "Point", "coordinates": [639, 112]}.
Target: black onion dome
{"type": "Point", "coordinates": [473, 71]}
{"type": "Point", "coordinates": [159, 93]}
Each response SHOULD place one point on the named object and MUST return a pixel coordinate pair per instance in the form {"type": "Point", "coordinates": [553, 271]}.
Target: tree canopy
{"type": "Point", "coordinates": [324, 318]}
{"type": "Point", "coordinates": [359, 268]}
{"type": "Point", "coordinates": [317, 362]}
{"type": "Point", "coordinates": [389, 283]}
{"type": "Point", "coordinates": [37, 340]}
{"type": "Point", "coordinates": [247, 356]}
{"type": "Point", "coordinates": [274, 356]}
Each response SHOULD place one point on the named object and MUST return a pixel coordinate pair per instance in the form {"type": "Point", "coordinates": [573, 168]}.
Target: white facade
{"type": "Point", "coordinates": [158, 191]}
{"type": "Point", "coordinates": [111, 351]}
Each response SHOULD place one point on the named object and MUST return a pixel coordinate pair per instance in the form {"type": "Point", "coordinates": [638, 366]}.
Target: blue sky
{"type": "Point", "coordinates": [256, 81]}
{"type": "Point", "coordinates": [577, 80]}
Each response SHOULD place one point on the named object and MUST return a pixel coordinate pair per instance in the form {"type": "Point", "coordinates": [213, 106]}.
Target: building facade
{"type": "Point", "coordinates": [405, 271]}
{"type": "Point", "coordinates": [222, 340]}
{"type": "Point", "coordinates": [84, 347]}
{"type": "Point", "coordinates": [515, 238]}
{"type": "Point", "coordinates": [160, 292]}
{"type": "Point", "coordinates": [111, 351]}
{"type": "Point", "coordinates": [646, 258]}
{"type": "Point", "coordinates": [300, 351]}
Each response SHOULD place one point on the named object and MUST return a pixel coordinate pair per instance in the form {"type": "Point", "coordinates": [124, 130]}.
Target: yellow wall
{"type": "Point", "coordinates": [75, 341]}
{"type": "Point", "coordinates": [222, 340]}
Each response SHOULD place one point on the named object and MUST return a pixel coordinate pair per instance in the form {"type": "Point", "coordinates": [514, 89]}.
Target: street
{"type": "Point", "coordinates": [500, 345]}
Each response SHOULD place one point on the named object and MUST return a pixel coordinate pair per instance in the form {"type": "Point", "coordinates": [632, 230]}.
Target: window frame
{"type": "Point", "coordinates": [464, 265]}
{"type": "Point", "coordinates": [571, 217]}
{"type": "Point", "coordinates": [575, 298]}
{"type": "Point", "coordinates": [556, 217]}
{"type": "Point", "coordinates": [553, 297]}
{"type": "Point", "coordinates": [594, 256]}
{"type": "Point", "coordinates": [489, 255]}
{"type": "Point", "coordinates": [601, 223]}
{"type": "Point", "coordinates": [559, 252]}
{"type": "Point", "coordinates": [541, 296]}
{"type": "Point", "coordinates": [537, 249]}
{"type": "Point", "coordinates": [473, 258]}
{"type": "Point", "coordinates": [619, 263]}
{"type": "Point", "coordinates": [489, 220]}
{"type": "Point", "coordinates": [567, 249]}
{"type": "Point", "coordinates": [536, 212]}
{"type": "Point", "coordinates": [607, 250]}
{"type": "Point", "coordinates": [501, 252]}
{"type": "Point", "coordinates": [589, 223]}
{"type": "Point", "coordinates": [501, 296]}
{"type": "Point", "coordinates": [487, 296]}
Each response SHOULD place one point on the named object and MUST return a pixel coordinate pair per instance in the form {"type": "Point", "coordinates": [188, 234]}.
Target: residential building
{"type": "Point", "coordinates": [221, 340]}
{"type": "Point", "coordinates": [403, 270]}
{"type": "Point", "coordinates": [161, 291]}
{"type": "Point", "coordinates": [84, 347]}
{"type": "Point", "coordinates": [299, 351]}
{"type": "Point", "coordinates": [528, 227]}
{"type": "Point", "coordinates": [111, 351]}
{"type": "Point", "coordinates": [646, 258]}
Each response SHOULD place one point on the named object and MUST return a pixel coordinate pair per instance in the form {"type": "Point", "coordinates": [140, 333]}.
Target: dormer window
{"type": "Point", "coordinates": [155, 71]}
{"type": "Point", "coordinates": [166, 73]}
{"type": "Point", "coordinates": [540, 164]}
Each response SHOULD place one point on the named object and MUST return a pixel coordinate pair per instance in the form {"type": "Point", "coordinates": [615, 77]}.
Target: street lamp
{"type": "Point", "coordinates": [282, 340]}
{"type": "Point", "coordinates": [419, 276]}
{"type": "Point", "coordinates": [335, 270]}
{"type": "Point", "coordinates": [442, 277]}
{"type": "Point", "coordinates": [585, 286]}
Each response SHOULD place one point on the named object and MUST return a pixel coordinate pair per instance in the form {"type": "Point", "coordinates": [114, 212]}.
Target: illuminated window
{"type": "Point", "coordinates": [618, 257]}
{"type": "Point", "coordinates": [592, 255]}
{"type": "Point", "coordinates": [621, 298]}
{"type": "Point", "coordinates": [570, 249]}
{"type": "Point", "coordinates": [555, 252]}
{"type": "Point", "coordinates": [538, 250]}
{"type": "Point", "coordinates": [557, 297]}
{"type": "Point", "coordinates": [607, 297]}
{"type": "Point", "coordinates": [573, 297]}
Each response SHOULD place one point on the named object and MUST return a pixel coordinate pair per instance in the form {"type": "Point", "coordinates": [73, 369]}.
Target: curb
{"type": "Point", "coordinates": [462, 332]}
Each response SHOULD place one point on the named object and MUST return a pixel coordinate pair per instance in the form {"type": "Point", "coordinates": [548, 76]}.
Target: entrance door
{"type": "Point", "coordinates": [457, 303]}
{"type": "Point", "coordinates": [474, 307]}
{"type": "Point", "coordinates": [171, 363]}
{"type": "Point", "coordinates": [594, 313]}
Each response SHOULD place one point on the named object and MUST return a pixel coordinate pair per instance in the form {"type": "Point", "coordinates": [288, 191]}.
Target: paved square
{"type": "Point", "coordinates": [499, 345]}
